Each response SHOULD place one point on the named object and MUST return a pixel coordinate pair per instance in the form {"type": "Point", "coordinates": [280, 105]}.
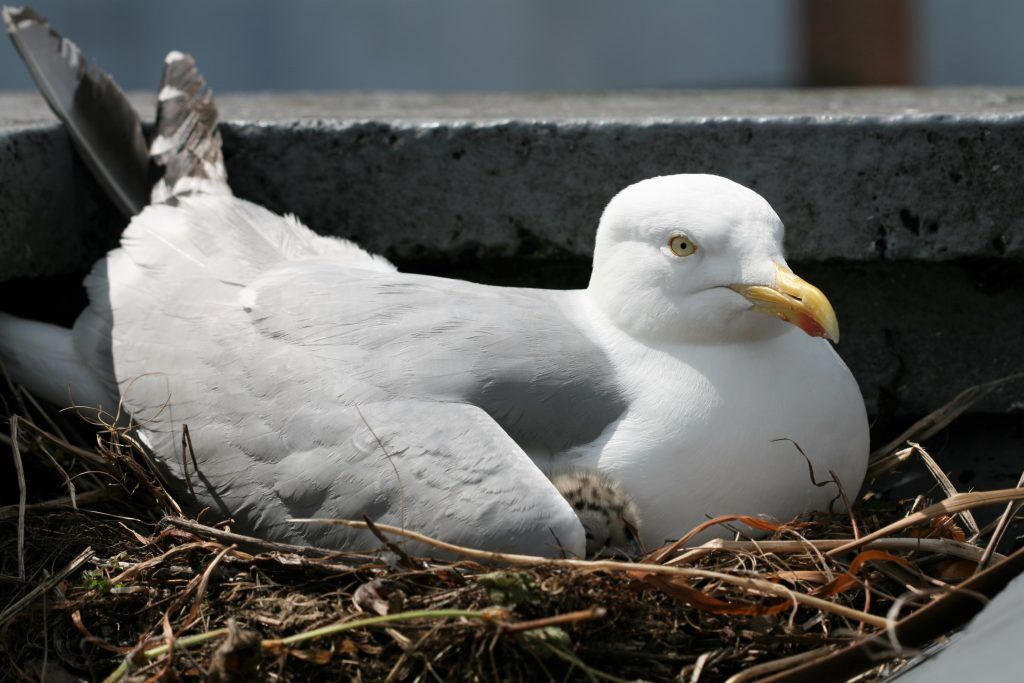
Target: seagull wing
{"type": "Point", "coordinates": [519, 354]}
{"type": "Point", "coordinates": [443, 469]}
{"type": "Point", "coordinates": [230, 320]}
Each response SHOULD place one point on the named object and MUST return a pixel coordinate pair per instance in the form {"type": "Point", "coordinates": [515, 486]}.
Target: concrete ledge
{"type": "Point", "coordinates": [904, 205]}
{"type": "Point", "coordinates": [859, 176]}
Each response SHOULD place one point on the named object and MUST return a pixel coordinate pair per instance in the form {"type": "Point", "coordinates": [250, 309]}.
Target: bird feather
{"type": "Point", "coordinates": [102, 123]}
{"type": "Point", "coordinates": [187, 144]}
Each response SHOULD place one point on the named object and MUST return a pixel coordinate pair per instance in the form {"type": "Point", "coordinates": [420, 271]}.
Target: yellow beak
{"type": "Point", "coordinates": [795, 301]}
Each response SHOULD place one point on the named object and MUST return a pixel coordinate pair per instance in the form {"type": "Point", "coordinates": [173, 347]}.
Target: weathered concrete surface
{"type": "Point", "coordinates": [905, 206]}
{"type": "Point", "coordinates": [856, 176]}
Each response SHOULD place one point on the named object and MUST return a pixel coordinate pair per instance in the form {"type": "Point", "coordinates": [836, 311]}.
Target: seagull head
{"type": "Point", "coordinates": [699, 258]}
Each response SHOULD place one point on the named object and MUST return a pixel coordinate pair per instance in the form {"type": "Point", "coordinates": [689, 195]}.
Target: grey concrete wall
{"type": "Point", "coordinates": [904, 206]}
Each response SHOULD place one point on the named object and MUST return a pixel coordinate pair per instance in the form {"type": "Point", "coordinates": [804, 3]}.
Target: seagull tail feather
{"type": "Point", "coordinates": [187, 144]}
{"type": "Point", "coordinates": [102, 123]}
{"type": "Point", "coordinates": [43, 358]}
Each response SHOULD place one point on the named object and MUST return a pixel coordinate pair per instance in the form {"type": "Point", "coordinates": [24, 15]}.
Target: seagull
{"type": "Point", "coordinates": [315, 380]}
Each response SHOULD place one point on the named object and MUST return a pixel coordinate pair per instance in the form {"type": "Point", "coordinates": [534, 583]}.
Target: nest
{"type": "Point", "coordinates": [107, 579]}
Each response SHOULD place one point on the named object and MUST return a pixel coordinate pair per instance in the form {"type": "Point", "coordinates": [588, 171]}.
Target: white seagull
{"type": "Point", "coordinates": [317, 381]}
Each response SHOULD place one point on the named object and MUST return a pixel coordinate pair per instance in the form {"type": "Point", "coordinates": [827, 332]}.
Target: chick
{"type": "Point", "coordinates": [608, 514]}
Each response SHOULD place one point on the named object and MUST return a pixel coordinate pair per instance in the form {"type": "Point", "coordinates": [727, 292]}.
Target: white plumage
{"type": "Point", "coordinates": [317, 381]}
{"type": "Point", "coordinates": [268, 341]}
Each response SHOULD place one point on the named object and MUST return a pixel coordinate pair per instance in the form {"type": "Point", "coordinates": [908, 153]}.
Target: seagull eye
{"type": "Point", "coordinates": [681, 245]}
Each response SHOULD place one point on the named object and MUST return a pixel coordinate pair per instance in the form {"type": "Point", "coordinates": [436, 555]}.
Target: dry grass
{"type": "Point", "coordinates": [127, 587]}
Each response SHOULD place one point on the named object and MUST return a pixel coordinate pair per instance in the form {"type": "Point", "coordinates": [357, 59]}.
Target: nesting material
{"type": "Point", "coordinates": [129, 587]}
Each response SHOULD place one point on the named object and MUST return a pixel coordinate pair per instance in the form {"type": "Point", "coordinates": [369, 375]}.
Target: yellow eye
{"type": "Point", "coordinates": [681, 245]}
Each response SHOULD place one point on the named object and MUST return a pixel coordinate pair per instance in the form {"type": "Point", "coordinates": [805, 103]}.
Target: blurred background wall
{"type": "Point", "coordinates": [547, 44]}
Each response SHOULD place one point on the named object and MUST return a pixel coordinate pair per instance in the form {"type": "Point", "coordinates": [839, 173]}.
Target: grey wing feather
{"type": "Point", "coordinates": [187, 144]}
{"type": "Point", "coordinates": [178, 268]}
{"type": "Point", "coordinates": [513, 352]}
{"type": "Point", "coordinates": [264, 338]}
{"type": "Point", "coordinates": [99, 118]}
{"type": "Point", "coordinates": [231, 276]}
{"type": "Point", "coordinates": [467, 480]}
{"type": "Point", "coordinates": [443, 469]}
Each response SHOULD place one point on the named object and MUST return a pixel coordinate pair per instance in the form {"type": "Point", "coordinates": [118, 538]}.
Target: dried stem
{"type": "Point", "coordinates": [1004, 521]}
{"type": "Point", "coordinates": [57, 503]}
{"type": "Point", "coordinates": [945, 483]}
{"type": "Point", "coordinates": [557, 620]}
{"type": "Point", "coordinates": [231, 537]}
{"type": "Point", "coordinates": [751, 584]}
{"type": "Point", "coordinates": [277, 643]}
{"type": "Point", "coordinates": [944, 546]}
{"type": "Point", "coordinates": [14, 608]}
{"type": "Point", "coordinates": [760, 670]}
{"type": "Point", "coordinates": [22, 495]}
{"type": "Point", "coordinates": [949, 506]}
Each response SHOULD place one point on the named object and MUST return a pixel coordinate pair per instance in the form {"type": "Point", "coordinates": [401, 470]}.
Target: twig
{"type": "Point", "coordinates": [938, 617]}
{"type": "Point", "coordinates": [22, 494]}
{"type": "Point", "coordinates": [698, 667]}
{"type": "Point", "coordinates": [92, 457]}
{"type": "Point", "coordinates": [45, 414]}
{"type": "Point", "coordinates": [658, 555]}
{"type": "Point", "coordinates": [278, 643]}
{"type": "Point", "coordinates": [186, 445]}
{"type": "Point", "coordinates": [759, 670]}
{"type": "Point", "coordinates": [391, 461]}
{"type": "Point", "coordinates": [557, 620]}
{"type": "Point", "coordinates": [14, 608]}
{"type": "Point", "coordinates": [887, 463]}
{"type": "Point", "coordinates": [180, 643]}
{"type": "Point", "coordinates": [136, 568]}
{"type": "Point", "coordinates": [154, 484]}
{"type": "Point", "coordinates": [1004, 521]}
{"type": "Point", "coordinates": [747, 583]}
{"type": "Point", "coordinates": [204, 582]}
{"type": "Point", "coordinates": [403, 556]}
{"type": "Point", "coordinates": [949, 506]}
{"type": "Point", "coordinates": [946, 546]}
{"type": "Point", "coordinates": [944, 482]}
{"type": "Point", "coordinates": [169, 639]}
{"type": "Point", "coordinates": [482, 615]}
{"type": "Point", "coordinates": [988, 528]}
{"type": "Point", "coordinates": [230, 537]}
{"type": "Point", "coordinates": [846, 502]}
{"type": "Point", "coordinates": [58, 503]}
